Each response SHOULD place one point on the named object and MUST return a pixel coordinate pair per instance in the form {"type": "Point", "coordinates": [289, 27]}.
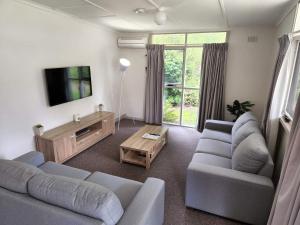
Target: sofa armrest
{"type": "Point", "coordinates": [219, 125]}
{"type": "Point", "coordinates": [230, 193]}
{"type": "Point", "coordinates": [147, 207]}
{"type": "Point", "coordinates": [33, 158]}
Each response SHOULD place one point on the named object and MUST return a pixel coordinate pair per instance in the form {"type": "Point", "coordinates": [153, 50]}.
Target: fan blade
{"type": "Point", "coordinates": [153, 3]}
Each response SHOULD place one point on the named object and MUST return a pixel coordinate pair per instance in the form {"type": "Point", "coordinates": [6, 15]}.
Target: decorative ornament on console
{"type": "Point", "coordinates": [76, 117]}
{"type": "Point", "coordinates": [100, 106]}
{"type": "Point", "coordinates": [38, 129]}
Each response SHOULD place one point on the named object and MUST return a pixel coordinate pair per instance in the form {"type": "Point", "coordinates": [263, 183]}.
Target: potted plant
{"type": "Point", "coordinates": [238, 108]}
{"type": "Point", "coordinates": [39, 130]}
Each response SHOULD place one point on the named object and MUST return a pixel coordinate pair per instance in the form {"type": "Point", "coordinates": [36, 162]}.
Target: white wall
{"type": "Point", "coordinates": [135, 79]}
{"type": "Point", "coordinates": [134, 83]}
{"type": "Point", "coordinates": [249, 67]}
{"type": "Point", "coordinates": [249, 70]}
{"type": "Point", "coordinates": [32, 39]}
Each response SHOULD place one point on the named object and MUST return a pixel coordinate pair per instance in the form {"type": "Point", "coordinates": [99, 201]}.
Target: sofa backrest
{"type": "Point", "coordinates": [244, 118]}
{"type": "Point", "coordinates": [246, 125]}
{"type": "Point", "coordinates": [23, 183]}
{"type": "Point", "coordinates": [251, 154]}
{"type": "Point", "coordinates": [14, 175]}
{"type": "Point", "coordinates": [83, 197]}
{"type": "Point", "coordinates": [268, 168]}
{"type": "Point", "coordinates": [20, 209]}
{"type": "Point", "coordinates": [242, 133]}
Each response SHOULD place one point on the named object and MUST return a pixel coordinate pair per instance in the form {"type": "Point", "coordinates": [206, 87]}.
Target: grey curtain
{"type": "Point", "coordinates": [286, 205]}
{"type": "Point", "coordinates": [283, 47]}
{"type": "Point", "coordinates": [213, 69]}
{"type": "Point", "coordinates": [154, 82]}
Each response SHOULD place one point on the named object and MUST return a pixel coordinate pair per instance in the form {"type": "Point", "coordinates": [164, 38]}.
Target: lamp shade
{"type": "Point", "coordinates": [124, 64]}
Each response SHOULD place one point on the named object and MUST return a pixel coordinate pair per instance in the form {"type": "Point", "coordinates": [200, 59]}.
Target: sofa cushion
{"type": "Point", "coordinates": [267, 169]}
{"type": "Point", "coordinates": [216, 135]}
{"type": "Point", "coordinates": [251, 154]}
{"type": "Point", "coordinates": [33, 158]}
{"type": "Point", "coordinates": [242, 133]}
{"type": "Point", "coordinates": [214, 147]}
{"type": "Point", "coordinates": [14, 175]}
{"type": "Point", "coordinates": [219, 125]}
{"type": "Point", "coordinates": [244, 118]}
{"type": "Point", "coordinates": [125, 189]}
{"type": "Point", "coordinates": [212, 160]}
{"type": "Point", "coordinates": [63, 170]}
{"type": "Point", "coordinates": [79, 196]}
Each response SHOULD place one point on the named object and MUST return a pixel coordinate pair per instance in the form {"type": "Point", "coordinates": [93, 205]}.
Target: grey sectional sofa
{"type": "Point", "coordinates": [230, 173]}
{"type": "Point", "coordinates": [34, 192]}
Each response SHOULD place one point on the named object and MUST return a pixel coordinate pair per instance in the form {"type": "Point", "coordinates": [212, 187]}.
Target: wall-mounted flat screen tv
{"type": "Point", "coordinates": [68, 84]}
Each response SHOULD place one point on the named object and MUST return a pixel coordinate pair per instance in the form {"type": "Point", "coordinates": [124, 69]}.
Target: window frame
{"type": "Point", "coordinates": [186, 34]}
{"type": "Point", "coordinates": [184, 48]}
{"type": "Point", "coordinates": [290, 79]}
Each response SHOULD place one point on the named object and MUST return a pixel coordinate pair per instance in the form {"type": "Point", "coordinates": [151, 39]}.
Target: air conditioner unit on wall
{"type": "Point", "coordinates": [132, 42]}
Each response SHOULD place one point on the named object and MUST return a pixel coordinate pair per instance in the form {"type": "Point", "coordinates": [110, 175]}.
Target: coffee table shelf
{"type": "Point", "coordinates": [134, 158]}
{"type": "Point", "coordinates": [140, 151]}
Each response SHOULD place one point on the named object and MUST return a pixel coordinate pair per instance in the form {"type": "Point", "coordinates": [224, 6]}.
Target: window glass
{"type": "Point", "coordinates": [190, 107]}
{"type": "Point", "coordinates": [193, 67]}
{"type": "Point", "coordinates": [206, 38]}
{"type": "Point", "coordinates": [73, 72]}
{"type": "Point", "coordinates": [171, 105]}
{"type": "Point", "coordinates": [173, 67]}
{"type": "Point", "coordinates": [168, 39]}
{"type": "Point", "coordinates": [294, 88]}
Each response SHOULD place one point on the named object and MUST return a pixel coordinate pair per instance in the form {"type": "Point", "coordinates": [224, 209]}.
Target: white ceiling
{"type": "Point", "coordinates": [182, 14]}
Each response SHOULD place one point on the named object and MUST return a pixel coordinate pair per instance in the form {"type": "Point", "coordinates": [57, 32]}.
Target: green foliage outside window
{"type": "Point", "coordinates": [168, 39]}
{"type": "Point", "coordinates": [206, 38]}
{"type": "Point", "coordinates": [173, 66]}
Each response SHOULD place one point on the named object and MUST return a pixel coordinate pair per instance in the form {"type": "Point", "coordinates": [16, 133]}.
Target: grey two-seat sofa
{"type": "Point", "coordinates": [230, 172]}
{"type": "Point", "coordinates": [35, 192]}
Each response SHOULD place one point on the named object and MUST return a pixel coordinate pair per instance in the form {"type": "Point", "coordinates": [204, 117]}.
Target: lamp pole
{"type": "Point", "coordinates": [124, 64]}
{"type": "Point", "coordinates": [120, 98]}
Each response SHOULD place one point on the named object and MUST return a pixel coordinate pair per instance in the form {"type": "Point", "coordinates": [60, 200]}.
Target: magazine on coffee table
{"type": "Point", "coordinates": [151, 136]}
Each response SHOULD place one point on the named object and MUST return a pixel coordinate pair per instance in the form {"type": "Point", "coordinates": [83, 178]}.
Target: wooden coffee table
{"type": "Point", "coordinates": [140, 151]}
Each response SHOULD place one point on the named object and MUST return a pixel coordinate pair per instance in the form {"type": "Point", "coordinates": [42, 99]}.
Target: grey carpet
{"type": "Point", "coordinates": [170, 165]}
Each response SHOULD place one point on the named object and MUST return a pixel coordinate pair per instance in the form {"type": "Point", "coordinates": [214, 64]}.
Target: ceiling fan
{"type": "Point", "coordinates": [159, 10]}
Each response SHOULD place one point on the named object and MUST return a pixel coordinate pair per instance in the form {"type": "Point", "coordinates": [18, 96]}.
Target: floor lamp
{"type": "Point", "coordinates": [124, 64]}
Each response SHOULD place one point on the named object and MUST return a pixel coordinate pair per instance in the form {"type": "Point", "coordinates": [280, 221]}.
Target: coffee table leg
{"type": "Point", "coordinates": [147, 160]}
{"type": "Point", "coordinates": [121, 155]}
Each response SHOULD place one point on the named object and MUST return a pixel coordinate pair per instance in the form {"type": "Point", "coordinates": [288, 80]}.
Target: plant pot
{"type": "Point", "coordinates": [100, 107]}
{"type": "Point", "coordinates": [39, 130]}
{"type": "Point", "coordinates": [76, 117]}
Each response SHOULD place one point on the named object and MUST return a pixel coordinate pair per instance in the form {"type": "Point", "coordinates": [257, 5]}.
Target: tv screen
{"type": "Point", "coordinates": [68, 84]}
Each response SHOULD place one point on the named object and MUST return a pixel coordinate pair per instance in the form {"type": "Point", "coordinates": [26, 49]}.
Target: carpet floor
{"type": "Point", "coordinates": [170, 165]}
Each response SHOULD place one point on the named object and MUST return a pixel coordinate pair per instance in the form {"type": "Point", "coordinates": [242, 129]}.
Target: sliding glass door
{"type": "Point", "coordinates": [173, 86]}
{"type": "Point", "coordinates": [181, 85]}
{"type": "Point", "coordinates": [183, 56]}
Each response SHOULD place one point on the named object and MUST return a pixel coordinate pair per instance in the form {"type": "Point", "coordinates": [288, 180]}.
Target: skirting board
{"type": "Point", "coordinates": [134, 118]}
{"type": "Point", "coordinates": [124, 116]}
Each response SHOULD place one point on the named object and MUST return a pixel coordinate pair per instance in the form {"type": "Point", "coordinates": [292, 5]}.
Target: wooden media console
{"type": "Point", "coordinates": [66, 141]}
